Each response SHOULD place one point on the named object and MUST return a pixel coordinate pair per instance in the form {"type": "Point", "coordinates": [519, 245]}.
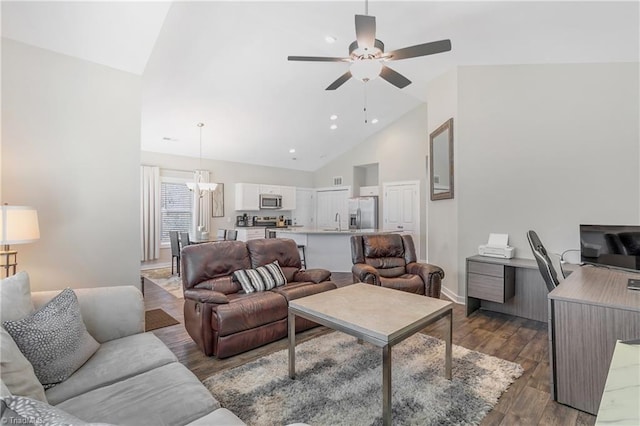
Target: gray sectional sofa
{"type": "Point", "coordinates": [133, 378]}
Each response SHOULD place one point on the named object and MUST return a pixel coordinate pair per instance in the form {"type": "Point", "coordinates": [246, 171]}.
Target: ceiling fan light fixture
{"type": "Point", "coordinates": [366, 69]}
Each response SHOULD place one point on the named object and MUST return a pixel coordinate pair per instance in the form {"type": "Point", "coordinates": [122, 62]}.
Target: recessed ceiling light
{"type": "Point", "coordinates": [374, 121]}
{"type": "Point", "coordinates": [168, 139]}
{"type": "Point", "coordinates": [333, 117]}
{"type": "Point", "coordinates": [334, 126]}
{"type": "Point", "coordinates": [292, 150]}
{"type": "Point", "coordinates": [330, 39]}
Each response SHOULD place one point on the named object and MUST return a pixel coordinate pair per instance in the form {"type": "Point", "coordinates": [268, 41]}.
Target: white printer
{"type": "Point", "coordinates": [497, 246]}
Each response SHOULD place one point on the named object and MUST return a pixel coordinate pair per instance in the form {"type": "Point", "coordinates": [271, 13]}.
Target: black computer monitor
{"type": "Point", "coordinates": [616, 246]}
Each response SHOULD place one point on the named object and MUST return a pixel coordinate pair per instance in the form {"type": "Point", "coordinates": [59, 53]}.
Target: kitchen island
{"type": "Point", "coordinates": [326, 248]}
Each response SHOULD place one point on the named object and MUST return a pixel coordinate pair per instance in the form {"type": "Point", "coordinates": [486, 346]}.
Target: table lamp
{"type": "Point", "coordinates": [19, 225]}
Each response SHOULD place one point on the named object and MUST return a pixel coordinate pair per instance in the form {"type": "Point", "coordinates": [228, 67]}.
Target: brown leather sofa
{"type": "Point", "coordinates": [220, 317]}
{"type": "Point", "coordinates": [389, 260]}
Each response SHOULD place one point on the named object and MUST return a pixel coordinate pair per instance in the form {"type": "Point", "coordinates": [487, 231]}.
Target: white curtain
{"type": "Point", "coordinates": [201, 205]}
{"type": "Point", "coordinates": [150, 212]}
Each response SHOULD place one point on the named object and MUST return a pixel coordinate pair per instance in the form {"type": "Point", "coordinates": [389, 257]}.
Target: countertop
{"type": "Point", "coordinates": [331, 231]}
{"type": "Point", "coordinates": [619, 404]}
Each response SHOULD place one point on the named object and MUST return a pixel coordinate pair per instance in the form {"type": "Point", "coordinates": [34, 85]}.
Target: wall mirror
{"type": "Point", "coordinates": [441, 161]}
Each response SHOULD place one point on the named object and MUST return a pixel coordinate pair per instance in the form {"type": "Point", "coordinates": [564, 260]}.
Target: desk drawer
{"type": "Point", "coordinates": [486, 287]}
{"type": "Point", "coordinates": [486, 269]}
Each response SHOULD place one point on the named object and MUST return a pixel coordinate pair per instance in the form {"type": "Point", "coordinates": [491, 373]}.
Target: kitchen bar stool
{"type": "Point", "coordinates": [303, 258]}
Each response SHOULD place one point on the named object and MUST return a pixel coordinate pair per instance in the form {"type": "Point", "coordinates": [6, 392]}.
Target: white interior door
{"type": "Point", "coordinates": [401, 209]}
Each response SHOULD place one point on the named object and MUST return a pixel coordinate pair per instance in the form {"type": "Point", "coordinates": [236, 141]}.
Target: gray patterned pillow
{"type": "Point", "coordinates": [20, 410]}
{"type": "Point", "coordinates": [54, 339]}
{"type": "Point", "coordinates": [30, 411]}
{"type": "Point", "coordinates": [260, 279]}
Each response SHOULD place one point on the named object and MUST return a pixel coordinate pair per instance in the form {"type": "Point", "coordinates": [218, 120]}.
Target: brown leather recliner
{"type": "Point", "coordinates": [389, 260]}
{"type": "Point", "coordinates": [220, 317]}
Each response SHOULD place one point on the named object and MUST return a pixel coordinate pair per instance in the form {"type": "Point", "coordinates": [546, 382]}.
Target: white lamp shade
{"type": "Point", "coordinates": [366, 69]}
{"type": "Point", "coordinates": [19, 225]}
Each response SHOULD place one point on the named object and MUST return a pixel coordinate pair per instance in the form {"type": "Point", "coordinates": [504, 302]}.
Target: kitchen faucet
{"type": "Point", "coordinates": [338, 220]}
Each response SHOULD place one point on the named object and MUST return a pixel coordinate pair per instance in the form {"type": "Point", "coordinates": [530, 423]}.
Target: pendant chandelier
{"type": "Point", "coordinates": [197, 184]}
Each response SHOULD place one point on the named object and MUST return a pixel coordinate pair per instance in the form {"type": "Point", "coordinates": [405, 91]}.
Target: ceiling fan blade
{"type": "Point", "coordinates": [316, 59]}
{"type": "Point", "coordinates": [340, 81]}
{"type": "Point", "coordinates": [365, 31]}
{"type": "Point", "coordinates": [394, 77]}
{"type": "Point", "coordinates": [420, 50]}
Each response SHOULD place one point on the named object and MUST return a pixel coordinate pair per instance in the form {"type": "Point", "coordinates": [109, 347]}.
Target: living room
{"type": "Point", "coordinates": [544, 145]}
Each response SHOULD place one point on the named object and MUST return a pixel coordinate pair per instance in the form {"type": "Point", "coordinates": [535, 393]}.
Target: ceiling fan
{"type": "Point", "coordinates": [367, 55]}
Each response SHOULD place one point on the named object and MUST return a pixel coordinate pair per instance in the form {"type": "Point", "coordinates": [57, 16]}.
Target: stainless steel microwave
{"type": "Point", "coordinates": [270, 201]}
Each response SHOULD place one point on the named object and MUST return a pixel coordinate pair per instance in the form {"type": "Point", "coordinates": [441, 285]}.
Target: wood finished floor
{"type": "Point", "coordinates": [526, 402]}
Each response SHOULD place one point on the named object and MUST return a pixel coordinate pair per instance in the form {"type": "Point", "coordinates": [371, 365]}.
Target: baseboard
{"type": "Point", "coordinates": [452, 296]}
{"type": "Point", "coordinates": [155, 266]}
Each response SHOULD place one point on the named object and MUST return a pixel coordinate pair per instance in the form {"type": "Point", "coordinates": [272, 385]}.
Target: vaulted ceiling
{"type": "Point", "coordinates": [225, 63]}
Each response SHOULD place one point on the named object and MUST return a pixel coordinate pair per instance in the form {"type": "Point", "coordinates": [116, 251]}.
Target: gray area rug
{"type": "Point", "coordinates": [339, 382]}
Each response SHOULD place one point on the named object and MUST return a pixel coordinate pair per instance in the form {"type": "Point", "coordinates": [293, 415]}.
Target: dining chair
{"type": "Point", "coordinates": [175, 250]}
{"type": "Point", "coordinates": [231, 235]}
{"type": "Point", "coordinates": [184, 239]}
{"type": "Point", "coordinates": [221, 234]}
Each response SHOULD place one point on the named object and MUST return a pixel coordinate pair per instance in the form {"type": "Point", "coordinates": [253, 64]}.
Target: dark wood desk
{"type": "Point", "coordinates": [589, 311]}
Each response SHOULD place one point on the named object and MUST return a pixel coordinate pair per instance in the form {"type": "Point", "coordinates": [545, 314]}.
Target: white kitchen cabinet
{"type": "Point", "coordinates": [304, 213]}
{"type": "Point", "coordinates": [246, 234]}
{"type": "Point", "coordinates": [271, 189]}
{"type": "Point", "coordinates": [288, 197]}
{"type": "Point", "coordinates": [366, 191]}
{"type": "Point", "coordinates": [247, 197]}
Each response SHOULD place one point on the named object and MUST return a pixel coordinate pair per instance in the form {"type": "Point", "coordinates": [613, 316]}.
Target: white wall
{"type": "Point", "coordinates": [545, 147]}
{"type": "Point", "coordinates": [71, 148]}
{"type": "Point", "coordinates": [400, 149]}
{"type": "Point", "coordinates": [228, 173]}
{"type": "Point", "coordinates": [442, 215]}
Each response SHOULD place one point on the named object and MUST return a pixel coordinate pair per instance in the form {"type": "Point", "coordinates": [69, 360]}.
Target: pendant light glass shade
{"type": "Point", "coordinates": [197, 184]}
{"type": "Point", "coordinates": [202, 186]}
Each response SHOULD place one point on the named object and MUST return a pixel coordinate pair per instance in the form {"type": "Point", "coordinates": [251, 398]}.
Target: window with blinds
{"type": "Point", "coordinates": [175, 208]}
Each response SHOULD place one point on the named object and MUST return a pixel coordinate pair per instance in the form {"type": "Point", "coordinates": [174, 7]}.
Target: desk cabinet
{"type": "Point", "coordinates": [489, 281]}
{"type": "Point", "coordinates": [511, 286]}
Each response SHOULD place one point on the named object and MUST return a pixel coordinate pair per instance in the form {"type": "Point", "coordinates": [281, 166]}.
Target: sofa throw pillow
{"type": "Point", "coordinates": [15, 297]}
{"type": "Point", "coordinates": [54, 339]}
{"type": "Point", "coordinates": [16, 371]}
{"type": "Point", "coordinates": [20, 410]}
{"type": "Point", "coordinates": [260, 279]}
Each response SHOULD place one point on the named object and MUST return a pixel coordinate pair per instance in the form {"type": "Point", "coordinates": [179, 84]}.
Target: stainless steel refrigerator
{"type": "Point", "coordinates": [363, 213]}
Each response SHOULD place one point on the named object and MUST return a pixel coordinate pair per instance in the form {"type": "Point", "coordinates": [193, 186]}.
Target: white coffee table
{"type": "Point", "coordinates": [378, 315]}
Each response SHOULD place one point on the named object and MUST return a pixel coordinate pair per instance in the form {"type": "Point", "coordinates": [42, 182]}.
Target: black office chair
{"type": "Point", "coordinates": [545, 264]}
{"type": "Point", "coordinates": [231, 235]}
{"type": "Point", "coordinates": [175, 250]}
